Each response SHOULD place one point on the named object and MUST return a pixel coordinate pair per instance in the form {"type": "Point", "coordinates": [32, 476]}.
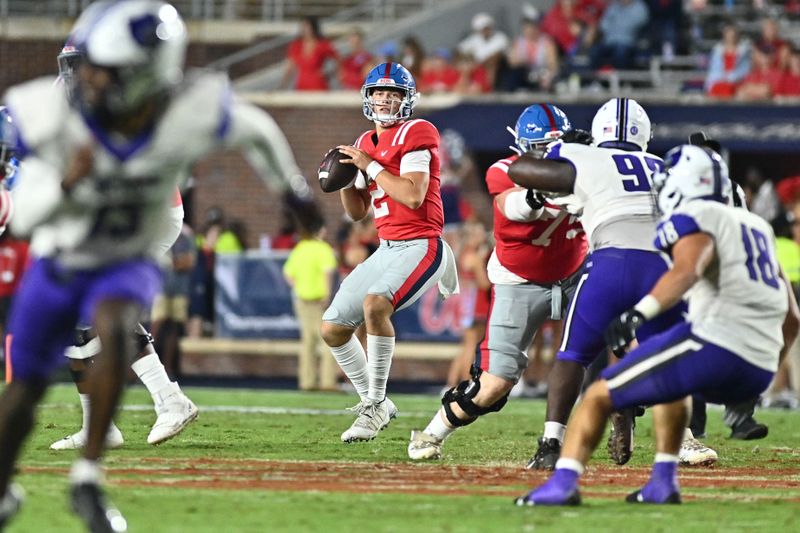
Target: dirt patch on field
{"type": "Point", "coordinates": [600, 480]}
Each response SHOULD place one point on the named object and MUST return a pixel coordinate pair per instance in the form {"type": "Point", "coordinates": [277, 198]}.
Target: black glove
{"type": "Point", "coordinates": [622, 331]}
{"type": "Point", "coordinates": [535, 199]}
{"type": "Point", "coordinates": [577, 136]}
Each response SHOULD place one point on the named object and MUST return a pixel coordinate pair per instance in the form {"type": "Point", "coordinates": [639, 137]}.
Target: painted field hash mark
{"type": "Point", "coordinates": [328, 476]}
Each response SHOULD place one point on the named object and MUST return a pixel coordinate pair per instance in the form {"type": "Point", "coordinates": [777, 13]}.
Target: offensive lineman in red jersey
{"type": "Point", "coordinates": [534, 268]}
{"type": "Point", "coordinates": [400, 159]}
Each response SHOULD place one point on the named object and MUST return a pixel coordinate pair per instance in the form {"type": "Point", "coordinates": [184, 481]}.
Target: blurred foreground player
{"type": "Point", "coordinates": [94, 192]}
{"type": "Point", "coordinates": [174, 410]}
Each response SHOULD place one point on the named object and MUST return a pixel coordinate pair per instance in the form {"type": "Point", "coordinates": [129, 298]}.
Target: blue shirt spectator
{"type": "Point", "coordinates": [621, 23]}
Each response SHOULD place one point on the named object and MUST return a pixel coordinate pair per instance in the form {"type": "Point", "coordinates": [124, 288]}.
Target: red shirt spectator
{"type": "Point", "coordinates": [437, 74]}
{"type": "Point", "coordinates": [352, 67]}
{"type": "Point", "coordinates": [763, 80]}
{"type": "Point", "coordinates": [771, 41]}
{"type": "Point", "coordinates": [790, 82]}
{"type": "Point", "coordinates": [567, 18]}
{"type": "Point", "coordinates": [307, 56]}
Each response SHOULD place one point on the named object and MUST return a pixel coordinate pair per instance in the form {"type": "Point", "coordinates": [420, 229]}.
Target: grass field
{"type": "Point", "coordinates": [281, 467]}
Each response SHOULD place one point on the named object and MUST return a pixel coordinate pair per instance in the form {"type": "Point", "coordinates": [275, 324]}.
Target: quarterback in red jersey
{"type": "Point", "coordinates": [539, 251]}
{"type": "Point", "coordinates": [399, 164]}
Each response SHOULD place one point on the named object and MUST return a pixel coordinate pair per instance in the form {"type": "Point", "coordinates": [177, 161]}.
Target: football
{"type": "Point", "coordinates": [334, 175]}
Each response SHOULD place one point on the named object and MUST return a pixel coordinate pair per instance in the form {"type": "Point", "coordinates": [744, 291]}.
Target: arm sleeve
{"type": "Point", "coordinates": [517, 208]}
{"type": "Point", "coordinates": [36, 195]}
{"type": "Point", "coordinates": [417, 161]}
{"type": "Point", "coordinates": [265, 147]}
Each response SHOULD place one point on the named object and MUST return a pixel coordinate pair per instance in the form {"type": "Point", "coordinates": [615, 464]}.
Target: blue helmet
{"type": "Point", "coordinates": [8, 147]}
{"type": "Point", "coordinates": [538, 125]}
{"type": "Point", "coordinates": [392, 76]}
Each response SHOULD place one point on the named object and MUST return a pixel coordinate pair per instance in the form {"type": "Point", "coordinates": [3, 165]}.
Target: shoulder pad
{"type": "Point", "coordinates": [39, 109]}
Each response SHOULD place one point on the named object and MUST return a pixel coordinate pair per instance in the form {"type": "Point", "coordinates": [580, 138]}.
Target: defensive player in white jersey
{"type": "Point", "coordinates": [94, 192]}
{"type": "Point", "coordinates": [533, 269]}
{"type": "Point", "coordinates": [610, 182]}
{"type": "Point", "coordinates": [174, 410]}
{"type": "Point", "coordinates": [726, 352]}
{"type": "Point", "coordinates": [400, 158]}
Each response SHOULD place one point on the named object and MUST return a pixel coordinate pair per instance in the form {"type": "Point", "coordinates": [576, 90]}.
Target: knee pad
{"type": "Point", "coordinates": [86, 345]}
{"type": "Point", "coordinates": [463, 395]}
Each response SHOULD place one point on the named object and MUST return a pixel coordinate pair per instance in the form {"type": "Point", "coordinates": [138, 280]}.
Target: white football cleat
{"type": "Point", "coordinates": [423, 446]}
{"type": "Point", "coordinates": [77, 441]}
{"type": "Point", "coordinates": [175, 412]}
{"type": "Point", "coordinates": [372, 418]}
{"type": "Point", "coordinates": [695, 453]}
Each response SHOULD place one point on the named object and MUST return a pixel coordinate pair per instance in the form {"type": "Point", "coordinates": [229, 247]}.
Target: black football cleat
{"type": "Point", "coordinates": [90, 504]}
{"type": "Point", "coordinates": [749, 429]}
{"type": "Point", "coordinates": [546, 455]}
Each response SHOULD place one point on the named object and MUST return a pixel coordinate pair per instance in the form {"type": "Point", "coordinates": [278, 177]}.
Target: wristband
{"type": "Point", "coordinates": [373, 169]}
{"type": "Point", "coordinates": [648, 307]}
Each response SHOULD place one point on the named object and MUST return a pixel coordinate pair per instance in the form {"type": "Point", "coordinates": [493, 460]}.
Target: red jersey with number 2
{"type": "Point", "coordinates": [394, 220]}
{"type": "Point", "coordinates": [543, 251]}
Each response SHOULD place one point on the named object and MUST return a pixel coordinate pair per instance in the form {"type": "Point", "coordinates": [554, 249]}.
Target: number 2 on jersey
{"type": "Point", "coordinates": [763, 260]}
{"type": "Point", "coordinates": [380, 206]}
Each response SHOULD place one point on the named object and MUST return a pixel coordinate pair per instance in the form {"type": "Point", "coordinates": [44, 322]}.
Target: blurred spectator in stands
{"type": "Point", "coordinates": [171, 308]}
{"type": "Point", "coordinates": [666, 21]}
{"type": "Point", "coordinates": [790, 81]}
{"type": "Point", "coordinates": [306, 58]}
{"type": "Point", "coordinates": [783, 389]}
{"type": "Point", "coordinates": [485, 45]}
{"type": "Point", "coordinates": [412, 56]}
{"type": "Point", "coordinates": [573, 24]}
{"type": "Point", "coordinates": [387, 52]}
{"type": "Point", "coordinates": [217, 237]}
{"type": "Point", "coordinates": [762, 198]}
{"type": "Point", "coordinates": [201, 298]}
{"type": "Point", "coordinates": [771, 42]}
{"type": "Point", "coordinates": [532, 58]}
{"type": "Point", "coordinates": [354, 66]}
{"type": "Point", "coordinates": [472, 76]}
{"type": "Point", "coordinates": [287, 236]}
{"type": "Point", "coordinates": [729, 63]}
{"type": "Point", "coordinates": [764, 78]}
{"type": "Point", "coordinates": [620, 27]}
{"type": "Point", "coordinates": [438, 75]}
{"type": "Point", "coordinates": [475, 298]}
{"type": "Point", "coordinates": [309, 270]}
{"type": "Point", "coordinates": [457, 166]}
{"type": "Point", "coordinates": [13, 261]}
{"type": "Point", "coordinates": [788, 190]}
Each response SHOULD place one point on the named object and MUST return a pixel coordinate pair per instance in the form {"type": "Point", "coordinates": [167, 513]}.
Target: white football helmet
{"type": "Point", "coordinates": [620, 122]}
{"type": "Point", "coordinates": [143, 44]}
{"type": "Point", "coordinates": [690, 173]}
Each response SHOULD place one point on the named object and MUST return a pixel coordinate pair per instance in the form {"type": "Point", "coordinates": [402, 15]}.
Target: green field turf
{"type": "Point", "coordinates": [183, 486]}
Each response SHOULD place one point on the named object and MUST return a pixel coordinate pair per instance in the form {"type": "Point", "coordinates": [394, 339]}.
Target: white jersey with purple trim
{"type": "Point", "coordinates": [613, 188]}
{"type": "Point", "coordinates": [121, 208]}
{"type": "Point", "coordinates": [740, 302]}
